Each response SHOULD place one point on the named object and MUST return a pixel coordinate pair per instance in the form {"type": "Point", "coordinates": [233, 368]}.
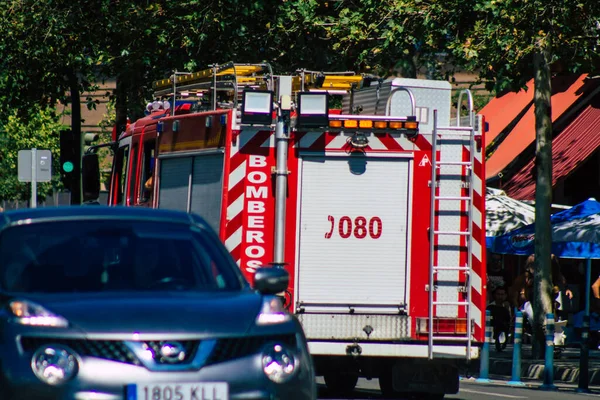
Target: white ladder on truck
{"type": "Point", "coordinates": [448, 233]}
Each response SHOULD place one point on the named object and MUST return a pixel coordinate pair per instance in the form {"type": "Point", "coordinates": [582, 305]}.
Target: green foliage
{"type": "Point", "coordinates": [42, 42]}
{"type": "Point", "coordinates": [40, 129]}
{"type": "Point", "coordinates": [504, 36]}
{"type": "Point", "coordinates": [384, 37]}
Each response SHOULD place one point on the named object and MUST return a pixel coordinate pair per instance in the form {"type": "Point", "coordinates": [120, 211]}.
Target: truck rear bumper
{"type": "Point", "coordinates": [327, 348]}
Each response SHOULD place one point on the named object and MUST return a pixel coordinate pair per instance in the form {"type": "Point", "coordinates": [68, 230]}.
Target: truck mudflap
{"type": "Point", "coordinates": [421, 377]}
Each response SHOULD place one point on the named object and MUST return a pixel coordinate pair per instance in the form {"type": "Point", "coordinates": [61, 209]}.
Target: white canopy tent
{"type": "Point", "coordinates": [503, 213]}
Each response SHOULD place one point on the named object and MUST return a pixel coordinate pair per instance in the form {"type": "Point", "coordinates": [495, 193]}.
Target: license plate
{"type": "Point", "coordinates": [179, 391]}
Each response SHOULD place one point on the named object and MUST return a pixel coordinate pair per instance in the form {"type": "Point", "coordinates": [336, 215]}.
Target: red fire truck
{"type": "Point", "coordinates": [375, 207]}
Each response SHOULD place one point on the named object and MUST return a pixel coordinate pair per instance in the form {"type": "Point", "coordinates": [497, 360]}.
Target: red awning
{"type": "Point", "coordinates": [571, 148]}
{"type": "Point", "coordinates": [566, 90]}
{"type": "Point", "coordinates": [502, 110]}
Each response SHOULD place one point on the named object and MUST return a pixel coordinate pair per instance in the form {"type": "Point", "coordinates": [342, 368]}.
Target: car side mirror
{"type": "Point", "coordinates": [271, 280]}
{"type": "Point", "coordinates": [90, 176]}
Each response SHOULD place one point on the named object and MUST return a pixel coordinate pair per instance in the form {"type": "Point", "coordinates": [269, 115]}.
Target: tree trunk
{"type": "Point", "coordinates": [542, 303]}
{"type": "Point", "coordinates": [76, 129]}
{"type": "Point", "coordinates": [121, 104]}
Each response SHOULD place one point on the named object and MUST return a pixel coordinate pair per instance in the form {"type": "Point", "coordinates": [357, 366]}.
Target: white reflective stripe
{"type": "Point", "coordinates": [375, 143]}
{"type": "Point", "coordinates": [477, 184]}
{"type": "Point", "coordinates": [233, 150]}
{"type": "Point", "coordinates": [234, 240]}
{"type": "Point", "coordinates": [235, 208]}
{"type": "Point", "coordinates": [246, 136]}
{"type": "Point", "coordinates": [477, 216]}
{"type": "Point", "coordinates": [338, 142]}
{"type": "Point", "coordinates": [309, 139]}
{"type": "Point", "coordinates": [476, 281]}
{"type": "Point", "coordinates": [237, 175]}
{"type": "Point", "coordinates": [476, 315]}
{"type": "Point", "coordinates": [270, 142]}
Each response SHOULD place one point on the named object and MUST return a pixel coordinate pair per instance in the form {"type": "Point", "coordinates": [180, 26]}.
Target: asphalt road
{"type": "Point", "coordinates": [471, 390]}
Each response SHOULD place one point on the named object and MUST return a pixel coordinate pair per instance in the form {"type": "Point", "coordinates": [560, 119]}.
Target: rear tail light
{"type": "Point", "coordinates": [447, 326]}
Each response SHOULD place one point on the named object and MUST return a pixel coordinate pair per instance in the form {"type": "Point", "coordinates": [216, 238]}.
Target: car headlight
{"type": "Point", "coordinates": [54, 364]}
{"type": "Point", "coordinates": [279, 363]}
{"type": "Point", "coordinates": [272, 312]}
{"type": "Point", "coordinates": [29, 313]}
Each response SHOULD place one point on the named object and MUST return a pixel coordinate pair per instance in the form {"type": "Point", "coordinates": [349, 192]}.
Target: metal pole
{"type": "Point", "coordinates": [516, 367]}
{"type": "Point", "coordinates": [584, 374]}
{"type": "Point", "coordinates": [33, 178]}
{"type": "Point", "coordinates": [174, 90]}
{"type": "Point", "coordinates": [214, 91]}
{"type": "Point", "coordinates": [549, 359]}
{"type": "Point", "coordinates": [484, 368]}
{"type": "Point", "coordinates": [281, 174]}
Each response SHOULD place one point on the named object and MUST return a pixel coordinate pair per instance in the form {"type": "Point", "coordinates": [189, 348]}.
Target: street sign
{"type": "Point", "coordinates": [43, 166]}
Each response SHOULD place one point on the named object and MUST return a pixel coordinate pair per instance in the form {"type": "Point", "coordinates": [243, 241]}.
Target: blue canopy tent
{"type": "Point", "coordinates": [575, 234]}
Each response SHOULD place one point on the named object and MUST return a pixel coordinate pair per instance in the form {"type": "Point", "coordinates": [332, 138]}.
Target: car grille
{"type": "Point", "coordinates": [189, 346]}
{"type": "Point", "coordinates": [113, 350]}
{"type": "Point", "coordinates": [232, 348]}
{"type": "Point", "coordinates": [116, 350]}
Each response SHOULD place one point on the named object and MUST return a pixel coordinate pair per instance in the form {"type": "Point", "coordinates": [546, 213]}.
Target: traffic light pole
{"type": "Point", "coordinates": [70, 163]}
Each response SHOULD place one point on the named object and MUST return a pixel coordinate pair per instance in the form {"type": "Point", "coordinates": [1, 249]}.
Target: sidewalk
{"type": "Point", "coordinates": [566, 366]}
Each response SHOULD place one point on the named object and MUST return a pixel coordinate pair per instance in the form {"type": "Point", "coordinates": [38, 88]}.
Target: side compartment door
{"type": "Point", "coordinates": [353, 231]}
{"type": "Point", "coordinates": [193, 184]}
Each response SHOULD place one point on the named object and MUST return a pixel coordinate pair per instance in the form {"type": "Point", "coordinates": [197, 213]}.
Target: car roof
{"type": "Point", "coordinates": [64, 213]}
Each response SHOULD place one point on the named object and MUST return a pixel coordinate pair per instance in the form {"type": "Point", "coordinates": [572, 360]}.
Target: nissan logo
{"type": "Point", "coordinates": [172, 352]}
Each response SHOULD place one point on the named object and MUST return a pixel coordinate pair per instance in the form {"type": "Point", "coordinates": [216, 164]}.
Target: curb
{"type": "Point", "coordinates": [563, 372]}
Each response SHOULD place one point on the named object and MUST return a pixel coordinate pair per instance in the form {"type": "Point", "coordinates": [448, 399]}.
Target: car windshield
{"type": "Point", "coordinates": [115, 255]}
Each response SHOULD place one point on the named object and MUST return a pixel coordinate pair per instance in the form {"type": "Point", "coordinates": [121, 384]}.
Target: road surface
{"type": "Point", "coordinates": [471, 390]}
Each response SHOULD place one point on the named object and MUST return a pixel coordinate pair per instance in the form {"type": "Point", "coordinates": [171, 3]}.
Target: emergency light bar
{"type": "Point", "coordinates": [406, 125]}
{"type": "Point", "coordinates": [257, 107]}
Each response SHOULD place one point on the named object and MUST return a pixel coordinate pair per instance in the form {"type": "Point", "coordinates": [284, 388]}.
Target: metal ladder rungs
{"type": "Point", "coordinates": [453, 141]}
{"type": "Point", "coordinates": [441, 268]}
{"type": "Point", "coordinates": [455, 128]}
{"type": "Point", "coordinates": [465, 233]}
{"type": "Point", "coordinates": [450, 338]}
{"type": "Point", "coordinates": [462, 198]}
{"type": "Point", "coordinates": [467, 163]}
{"type": "Point", "coordinates": [451, 303]}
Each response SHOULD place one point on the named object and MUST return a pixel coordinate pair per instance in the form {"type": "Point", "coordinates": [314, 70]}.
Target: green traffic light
{"type": "Point", "coordinates": [68, 166]}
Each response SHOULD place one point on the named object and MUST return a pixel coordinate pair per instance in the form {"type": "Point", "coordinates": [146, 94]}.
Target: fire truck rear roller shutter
{"type": "Point", "coordinates": [174, 183]}
{"type": "Point", "coordinates": [207, 187]}
{"type": "Point", "coordinates": [340, 263]}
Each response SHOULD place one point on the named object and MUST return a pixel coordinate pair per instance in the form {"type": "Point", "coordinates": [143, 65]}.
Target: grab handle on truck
{"type": "Point", "coordinates": [388, 106]}
{"type": "Point", "coordinates": [470, 100]}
